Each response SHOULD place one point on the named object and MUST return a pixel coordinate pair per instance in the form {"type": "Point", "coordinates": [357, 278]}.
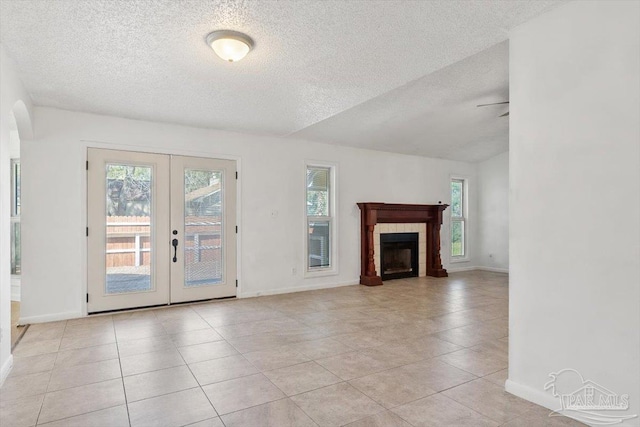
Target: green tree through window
{"type": "Point", "coordinates": [457, 218]}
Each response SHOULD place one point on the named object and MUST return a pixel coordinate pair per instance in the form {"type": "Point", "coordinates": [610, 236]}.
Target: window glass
{"type": "Point", "coordinates": [319, 243]}
{"type": "Point", "coordinates": [457, 218]}
{"type": "Point", "coordinates": [16, 252]}
{"type": "Point", "coordinates": [457, 238]}
{"type": "Point", "coordinates": [319, 218]}
{"type": "Point", "coordinates": [318, 191]}
{"type": "Point", "coordinates": [456, 198]}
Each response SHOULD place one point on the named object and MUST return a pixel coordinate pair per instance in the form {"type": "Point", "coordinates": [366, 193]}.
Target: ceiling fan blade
{"type": "Point", "coordinates": [495, 103]}
{"type": "Point", "coordinates": [504, 115]}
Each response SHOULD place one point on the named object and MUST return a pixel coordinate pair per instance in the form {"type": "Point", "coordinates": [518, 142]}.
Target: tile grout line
{"type": "Point", "coordinates": [467, 406]}
{"type": "Point", "coordinates": [200, 385]}
{"type": "Point", "coordinates": [72, 416]}
{"type": "Point", "coordinates": [476, 375]}
{"type": "Point", "coordinates": [124, 389]}
{"type": "Point", "coordinates": [50, 375]}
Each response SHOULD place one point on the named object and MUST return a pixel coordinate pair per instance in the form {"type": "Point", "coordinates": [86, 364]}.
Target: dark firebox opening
{"type": "Point", "coordinates": [399, 255]}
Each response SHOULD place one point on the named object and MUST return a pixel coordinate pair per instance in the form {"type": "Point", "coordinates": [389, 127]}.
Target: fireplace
{"type": "Point", "coordinates": [398, 255]}
{"type": "Point", "coordinates": [427, 216]}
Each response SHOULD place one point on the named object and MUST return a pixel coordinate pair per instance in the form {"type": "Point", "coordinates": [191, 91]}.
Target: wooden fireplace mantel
{"type": "Point", "coordinates": [374, 213]}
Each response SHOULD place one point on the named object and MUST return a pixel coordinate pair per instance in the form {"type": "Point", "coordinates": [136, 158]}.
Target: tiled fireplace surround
{"type": "Point", "coordinates": [419, 228]}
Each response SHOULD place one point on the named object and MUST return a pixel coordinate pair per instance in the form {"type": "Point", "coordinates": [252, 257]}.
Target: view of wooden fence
{"type": "Point", "coordinates": [129, 240]}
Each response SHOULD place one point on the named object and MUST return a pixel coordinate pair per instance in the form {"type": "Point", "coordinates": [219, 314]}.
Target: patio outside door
{"type": "Point", "coordinates": [161, 229]}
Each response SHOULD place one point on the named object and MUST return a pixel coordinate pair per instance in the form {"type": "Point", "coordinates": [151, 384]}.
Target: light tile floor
{"type": "Point", "coordinates": [415, 352]}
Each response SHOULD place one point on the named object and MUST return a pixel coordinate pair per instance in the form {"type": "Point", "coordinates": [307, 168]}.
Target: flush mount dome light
{"type": "Point", "coordinates": [230, 45]}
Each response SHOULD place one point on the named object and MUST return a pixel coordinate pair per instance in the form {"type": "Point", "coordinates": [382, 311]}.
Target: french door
{"type": "Point", "coordinates": [161, 229]}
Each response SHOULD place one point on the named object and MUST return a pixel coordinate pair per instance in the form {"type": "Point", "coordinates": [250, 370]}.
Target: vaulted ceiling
{"type": "Point", "coordinates": [400, 76]}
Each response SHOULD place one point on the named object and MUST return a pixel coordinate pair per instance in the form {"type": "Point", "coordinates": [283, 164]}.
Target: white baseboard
{"type": "Point", "coordinates": [295, 289]}
{"type": "Point", "coordinates": [461, 269]}
{"type": "Point", "coordinates": [547, 401]}
{"type": "Point", "coordinates": [53, 317]}
{"type": "Point", "coordinates": [6, 368]}
{"type": "Point", "coordinates": [15, 288]}
{"type": "Point", "coordinates": [532, 395]}
{"type": "Point", "coordinates": [494, 269]}
{"type": "Point", "coordinates": [475, 267]}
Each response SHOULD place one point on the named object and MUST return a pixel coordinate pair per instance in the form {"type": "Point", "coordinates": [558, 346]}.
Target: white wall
{"type": "Point", "coordinates": [11, 92]}
{"type": "Point", "coordinates": [272, 179]}
{"type": "Point", "coordinates": [14, 145]}
{"type": "Point", "coordinates": [493, 213]}
{"type": "Point", "coordinates": [575, 198]}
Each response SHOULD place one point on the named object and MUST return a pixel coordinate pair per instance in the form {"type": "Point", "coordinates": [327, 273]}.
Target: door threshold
{"type": "Point", "coordinates": [203, 300]}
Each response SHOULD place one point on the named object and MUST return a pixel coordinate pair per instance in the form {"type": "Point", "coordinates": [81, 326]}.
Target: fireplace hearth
{"type": "Point", "coordinates": [398, 255]}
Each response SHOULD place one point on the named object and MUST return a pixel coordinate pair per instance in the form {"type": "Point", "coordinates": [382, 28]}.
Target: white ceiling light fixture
{"type": "Point", "coordinates": [230, 45]}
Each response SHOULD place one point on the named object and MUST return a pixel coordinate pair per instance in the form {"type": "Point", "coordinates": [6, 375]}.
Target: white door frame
{"type": "Point", "coordinates": [82, 159]}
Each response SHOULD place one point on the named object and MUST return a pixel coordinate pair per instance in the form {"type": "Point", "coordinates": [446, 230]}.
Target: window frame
{"type": "Point", "coordinates": [464, 219]}
{"type": "Point", "coordinates": [332, 268]}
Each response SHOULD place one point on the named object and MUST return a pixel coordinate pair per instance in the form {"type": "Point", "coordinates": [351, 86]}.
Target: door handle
{"type": "Point", "coordinates": [174, 242]}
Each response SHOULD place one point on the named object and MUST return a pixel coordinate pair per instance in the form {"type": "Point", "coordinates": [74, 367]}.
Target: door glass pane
{"type": "Point", "coordinates": [128, 228]}
{"type": "Point", "coordinates": [319, 244]}
{"type": "Point", "coordinates": [203, 227]}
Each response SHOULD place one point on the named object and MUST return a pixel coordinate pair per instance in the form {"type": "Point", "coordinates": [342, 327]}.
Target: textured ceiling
{"type": "Point", "coordinates": [435, 115]}
{"type": "Point", "coordinates": [314, 62]}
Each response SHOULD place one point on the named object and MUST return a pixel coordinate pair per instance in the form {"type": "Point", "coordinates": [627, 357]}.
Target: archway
{"type": "Point", "coordinates": [22, 118]}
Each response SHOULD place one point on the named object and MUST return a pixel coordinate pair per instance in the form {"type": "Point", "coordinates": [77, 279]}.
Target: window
{"type": "Point", "coordinates": [458, 218]}
{"type": "Point", "coordinates": [16, 256]}
{"type": "Point", "coordinates": [15, 187]}
{"type": "Point", "coordinates": [320, 221]}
